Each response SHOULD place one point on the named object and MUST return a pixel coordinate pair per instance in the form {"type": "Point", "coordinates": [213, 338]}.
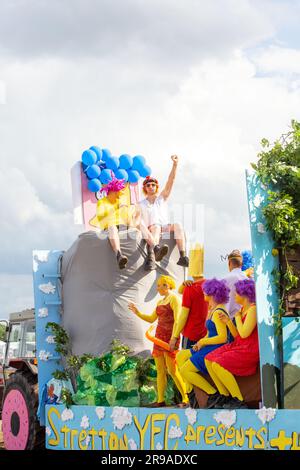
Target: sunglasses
{"type": "Point", "coordinates": [150, 184]}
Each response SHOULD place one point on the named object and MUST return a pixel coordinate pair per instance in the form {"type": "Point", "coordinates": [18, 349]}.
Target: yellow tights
{"type": "Point", "coordinates": [190, 373]}
{"type": "Point", "coordinates": [224, 380]}
{"type": "Point", "coordinates": [167, 364]}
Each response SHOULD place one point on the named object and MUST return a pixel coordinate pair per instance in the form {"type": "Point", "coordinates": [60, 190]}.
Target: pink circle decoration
{"type": "Point", "coordinates": [15, 406]}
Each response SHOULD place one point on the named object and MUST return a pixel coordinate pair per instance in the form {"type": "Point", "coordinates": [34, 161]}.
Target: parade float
{"type": "Point", "coordinates": [95, 373]}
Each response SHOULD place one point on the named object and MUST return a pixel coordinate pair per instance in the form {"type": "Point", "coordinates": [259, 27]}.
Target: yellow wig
{"type": "Point", "coordinates": [168, 280]}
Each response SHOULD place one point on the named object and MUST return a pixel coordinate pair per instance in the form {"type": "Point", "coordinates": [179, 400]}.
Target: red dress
{"type": "Point", "coordinates": [241, 357]}
{"type": "Point", "coordinates": [164, 330]}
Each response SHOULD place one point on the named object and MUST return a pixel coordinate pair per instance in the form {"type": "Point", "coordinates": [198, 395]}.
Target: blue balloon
{"type": "Point", "coordinates": [106, 154]}
{"type": "Point", "coordinates": [97, 151]}
{"type": "Point", "coordinates": [138, 162]}
{"type": "Point", "coordinates": [93, 171]}
{"type": "Point", "coordinates": [105, 176]}
{"type": "Point", "coordinates": [94, 185]}
{"type": "Point", "coordinates": [133, 176]}
{"type": "Point", "coordinates": [121, 174]}
{"type": "Point", "coordinates": [145, 171]}
{"type": "Point", "coordinates": [112, 163]}
{"type": "Point", "coordinates": [89, 157]}
{"type": "Point", "coordinates": [126, 162]}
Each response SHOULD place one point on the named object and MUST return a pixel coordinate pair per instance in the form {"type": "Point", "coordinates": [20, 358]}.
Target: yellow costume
{"type": "Point", "coordinates": [167, 312]}
{"type": "Point", "coordinates": [192, 362]}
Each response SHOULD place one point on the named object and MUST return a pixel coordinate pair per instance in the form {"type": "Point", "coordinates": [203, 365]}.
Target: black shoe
{"type": "Point", "coordinates": [160, 252]}
{"type": "Point", "coordinates": [183, 261]}
{"type": "Point", "coordinates": [213, 399]}
{"type": "Point", "coordinates": [122, 260]}
{"type": "Point", "coordinates": [234, 403]}
{"type": "Point", "coordinates": [193, 400]}
{"type": "Point", "coordinates": [150, 264]}
{"type": "Point", "coordinates": [157, 404]}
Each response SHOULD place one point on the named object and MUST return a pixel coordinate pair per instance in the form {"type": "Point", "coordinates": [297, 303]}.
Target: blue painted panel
{"type": "Point", "coordinates": [98, 428]}
{"type": "Point", "coordinates": [267, 299]}
{"type": "Point", "coordinates": [47, 299]}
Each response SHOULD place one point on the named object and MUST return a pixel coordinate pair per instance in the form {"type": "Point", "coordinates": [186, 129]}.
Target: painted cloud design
{"type": "Point", "coordinates": [228, 417]}
{"type": "Point", "coordinates": [43, 312]}
{"type": "Point", "coordinates": [67, 415]}
{"type": "Point", "coordinates": [261, 228]}
{"type": "Point", "coordinates": [50, 339]}
{"type": "Point", "coordinates": [175, 432]}
{"type": "Point", "coordinates": [121, 417]}
{"type": "Point", "coordinates": [265, 415]}
{"type": "Point", "coordinates": [48, 288]}
{"type": "Point", "coordinates": [85, 422]}
{"type": "Point", "coordinates": [44, 355]}
{"type": "Point", "coordinates": [100, 412]}
{"type": "Point", "coordinates": [132, 444]}
{"type": "Point", "coordinates": [191, 415]}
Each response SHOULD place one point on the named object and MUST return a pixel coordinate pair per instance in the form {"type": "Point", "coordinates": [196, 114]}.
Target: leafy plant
{"type": "Point", "coordinates": [278, 168]}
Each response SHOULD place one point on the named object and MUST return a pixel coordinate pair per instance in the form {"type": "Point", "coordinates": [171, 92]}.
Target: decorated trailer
{"type": "Point", "coordinates": [83, 291]}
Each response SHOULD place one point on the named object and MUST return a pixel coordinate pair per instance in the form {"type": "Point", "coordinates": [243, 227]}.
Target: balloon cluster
{"type": "Point", "coordinates": [100, 167]}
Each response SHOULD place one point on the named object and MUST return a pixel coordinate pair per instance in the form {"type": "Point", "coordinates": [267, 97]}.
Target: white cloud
{"type": "Point", "coordinates": [47, 288]}
{"type": "Point", "coordinates": [2, 92]}
{"type": "Point", "coordinates": [44, 355]}
{"type": "Point", "coordinates": [265, 415]}
{"type": "Point", "coordinates": [138, 87]}
{"type": "Point", "coordinates": [67, 415]}
{"type": "Point", "coordinates": [132, 444]}
{"type": "Point", "coordinates": [85, 422]}
{"type": "Point", "coordinates": [100, 412]}
{"type": "Point", "coordinates": [175, 432]}
{"type": "Point", "coordinates": [191, 415]}
{"type": "Point", "coordinates": [43, 312]}
{"type": "Point", "coordinates": [121, 417]}
{"type": "Point", "coordinates": [228, 417]}
{"type": "Point", "coordinates": [50, 339]}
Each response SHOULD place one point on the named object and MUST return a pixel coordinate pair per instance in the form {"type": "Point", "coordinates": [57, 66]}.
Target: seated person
{"type": "Point", "coordinates": [155, 218]}
{"type": "Point", "coordinates": [166, 312]}
{"type": "Point", "coordinates": [113, 213]}
{"type": "Point", "coordinates": [241, 357]}
{"type": "Point", "coordinates": [191, 361]}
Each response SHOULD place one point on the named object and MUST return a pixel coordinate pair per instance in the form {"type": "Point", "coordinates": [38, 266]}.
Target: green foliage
{"type": "Point", "coordinates": [61, 338]}
{"type": "Point", "coordinates": [66, 397]}
{"type": "Point", "coordinates": [60, 375]}
{"type": "Point", "coordinates": [2, 332]}
{"type": "Point", "coordinates": [118, 348]}
{"type": "Point", "coordinates": [278, 168]}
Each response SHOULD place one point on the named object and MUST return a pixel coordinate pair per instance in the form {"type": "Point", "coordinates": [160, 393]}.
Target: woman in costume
{"type": "Point", "coordinates": [191, 361]}
{"type": "Point", "coordinates": [241, 357]}
{"type": "Point", "coordinates": [167, 312]}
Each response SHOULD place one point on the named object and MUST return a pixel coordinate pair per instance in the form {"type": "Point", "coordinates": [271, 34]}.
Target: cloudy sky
{"type": "Point", "coordinates": [203, 79]}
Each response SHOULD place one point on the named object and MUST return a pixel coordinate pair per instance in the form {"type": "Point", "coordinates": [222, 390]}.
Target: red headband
{"type": "Point", "coordinates": [150, 179]}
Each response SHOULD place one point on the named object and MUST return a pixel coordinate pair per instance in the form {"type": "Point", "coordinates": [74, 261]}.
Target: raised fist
{"type": "Point", "coordinates": [174, 159]}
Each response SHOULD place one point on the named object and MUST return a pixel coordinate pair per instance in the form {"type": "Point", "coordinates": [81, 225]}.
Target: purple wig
{"type": "Point", "coordinates": [246, 288]}
{"type": "Point", "coordinates": [217, 289]}
{"type": "Point", "coordinates": [114, 185]}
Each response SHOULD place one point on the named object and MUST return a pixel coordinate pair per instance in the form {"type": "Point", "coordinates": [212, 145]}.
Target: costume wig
{"type": "Point", "coordinates": [217, 289]}
{"type": "Point", "coordinates": [168, 280]}
{"type": "Point", "coordinates": [114, 185]}
{"type": "Point", "coordinates": [246, 288]}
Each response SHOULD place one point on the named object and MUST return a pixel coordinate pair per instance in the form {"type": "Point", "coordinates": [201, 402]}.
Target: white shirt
{"type": "Point", "coordinates": [234, 276]}
{"type": "Point", "coordinates": [154, 213]}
